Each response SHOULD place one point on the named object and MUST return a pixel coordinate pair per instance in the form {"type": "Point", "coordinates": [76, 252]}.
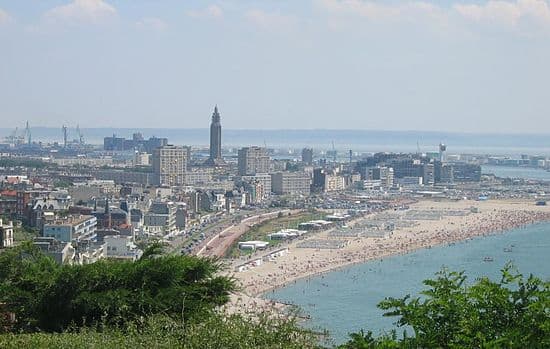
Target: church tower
{"type": "Point", "coordinates": [215, 139]}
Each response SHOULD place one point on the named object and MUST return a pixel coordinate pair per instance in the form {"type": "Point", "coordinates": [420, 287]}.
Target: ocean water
{"type": "Point", "coordinates": [345, 300]}
{"type": "Point", "coordinates": [516, 172]}
{"type": "Point", "coordinates": [319, 139]}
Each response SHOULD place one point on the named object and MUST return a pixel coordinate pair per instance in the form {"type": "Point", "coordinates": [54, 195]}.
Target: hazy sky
{"type": "Point", "coordinates": [479, 66]}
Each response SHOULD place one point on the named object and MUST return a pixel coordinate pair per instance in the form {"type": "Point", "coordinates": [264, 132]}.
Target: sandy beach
{"type": "Point", "coordinates": [447, 227]}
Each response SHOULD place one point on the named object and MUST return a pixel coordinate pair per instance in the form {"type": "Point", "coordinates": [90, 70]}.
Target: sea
{"type": "Point", "coordinates": [321, 139]}
{"type": "Point", "coordinates": [345, 300]}
{"type": "Point", "coordinates": [517, 172]}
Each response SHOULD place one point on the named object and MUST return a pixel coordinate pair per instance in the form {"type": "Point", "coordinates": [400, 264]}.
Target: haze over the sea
{"type": "Point", "coordinates": [321, 139]}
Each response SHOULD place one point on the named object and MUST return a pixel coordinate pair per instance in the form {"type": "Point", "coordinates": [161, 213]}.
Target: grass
{"type": "Point", "coordinates": [260, 231]}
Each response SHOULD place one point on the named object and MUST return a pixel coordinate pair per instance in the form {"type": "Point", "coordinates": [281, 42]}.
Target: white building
{"type": "Point", "coordinates": [142, 159]}
{"type": "Point", "coordinates": [72, 228]}
{"type": "Point", "coordinates": [90, 252]}
{"type": "Point", "coordinates": [121, 247]}
{"type": "Point", "coordinates": [253, 245]}
{"type": "Point", "coordinates": [371, 184]}
{"type": "Point", "coordinates": [334, 182]}
{"type": "Point", "coordinates": [6, 234]}
{"type": "Point", "coordinates": [285, 234]}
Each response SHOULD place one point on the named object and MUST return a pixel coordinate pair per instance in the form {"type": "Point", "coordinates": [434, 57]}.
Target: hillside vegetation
{"type": "Point", "coordinates": [172, 302]}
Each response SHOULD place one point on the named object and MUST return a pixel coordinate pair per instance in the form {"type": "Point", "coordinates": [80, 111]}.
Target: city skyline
{"type": "Point", "coordinates": [476, 66]}
{"type": "Point", "coordinates": [367, 148]}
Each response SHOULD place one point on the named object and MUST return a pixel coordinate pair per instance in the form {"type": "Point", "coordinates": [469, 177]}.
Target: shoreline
{"type": "Point", "coordinates": [494, 217]}
{"type": "Point", "coordinates": [389, 255]}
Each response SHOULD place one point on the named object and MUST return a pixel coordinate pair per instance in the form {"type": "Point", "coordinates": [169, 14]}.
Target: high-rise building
{"type": "Point", "coordinates": [136, 143]}
{"type": "Point", "coordinates": [113, 143]}
{"type": "Point", "coordinates": [443, 173]}
{"type": "Point", "coordinates": [428, 174]}
{"type": "Point", "coordinates": [215, 140]}
{"type": "Point", "coordinates": [442, 152]}
{"type": "Point", "coordinates": [170, 165]}
{"type": "Point", "coordinates": [253, 160]}
{"type": "Point", "coordinates": [382, 173]}
{"type": "Point", "coordinates": [307, 156]}
{"type": "Point", "coordinates": [290, 183]}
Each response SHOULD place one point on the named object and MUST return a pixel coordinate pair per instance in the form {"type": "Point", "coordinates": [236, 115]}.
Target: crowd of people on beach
{"type": "Point", "coordinates": [317, 261]}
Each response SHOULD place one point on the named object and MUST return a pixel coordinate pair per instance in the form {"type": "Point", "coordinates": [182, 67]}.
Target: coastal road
{"type": "Point", "coordinates": [180, 241]}
{"type": "Point", "coordinates": [218, 245]}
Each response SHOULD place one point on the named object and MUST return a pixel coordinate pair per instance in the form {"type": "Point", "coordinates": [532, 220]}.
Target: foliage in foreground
{"type": "Point", "coordinates": [170, 301]}
{"type": "Point", "coordinates": [49, 297]}
{"type": "Point", "coordinates": [215, 331]}
{"type": "Point", "coordinates": [511, 313]}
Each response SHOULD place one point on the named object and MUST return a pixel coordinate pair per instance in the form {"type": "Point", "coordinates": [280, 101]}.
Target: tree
{"type": "Point", "coordinates": [49, 297]}
{"type": "Point", "coordinates": [511, 313]}
{"type": "Point", "coordinates": [62, 184]}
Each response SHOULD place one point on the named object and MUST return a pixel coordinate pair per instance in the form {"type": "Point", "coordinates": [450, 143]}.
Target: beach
{"type": "Point", "coordinates": [433, 223]}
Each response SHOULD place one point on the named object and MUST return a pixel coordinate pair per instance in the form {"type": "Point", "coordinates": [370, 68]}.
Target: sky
{"type": "Point", "coordinates": [457, 66]}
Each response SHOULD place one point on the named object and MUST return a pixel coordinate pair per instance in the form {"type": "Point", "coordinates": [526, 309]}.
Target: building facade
{"type": "Point", "coordinates": [161, 218]}
{"type": "Point", "coordinates": [283, 183]}
{"type": "Point", "coordinates": [253, 160]}
{"type": "Point", "coordinates": [121, 247]}
{"type": "Point", "coordinates": [170, 165]}
{"type": "Point", "coordinates": [137, 142]}
{"type": "Point", "coordinates": [76, 227]}
{"type": "Point", "coordinates": [6, 234]}
{"type": "Point", "coordinates": [382, 173]}
{"type": "Point", "coordinates": [326, 180]}
{"type": "Point", "coordinates": [200, 175]}
{"type": "Point", "coordinates": [307, 156]}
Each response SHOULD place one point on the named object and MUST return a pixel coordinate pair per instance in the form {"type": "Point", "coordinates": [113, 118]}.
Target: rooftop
{"type": "Point", "coordinates": [71, 220]}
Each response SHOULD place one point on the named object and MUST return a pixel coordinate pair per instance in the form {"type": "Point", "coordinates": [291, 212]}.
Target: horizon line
{"type": "Point", "coordinates": [506, 133]}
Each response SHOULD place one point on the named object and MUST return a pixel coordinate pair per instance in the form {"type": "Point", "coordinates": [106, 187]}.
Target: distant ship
{"type": "Point", "coordinates": [488, 259]}
{"type": "Point", "coordinates": [507, 249]}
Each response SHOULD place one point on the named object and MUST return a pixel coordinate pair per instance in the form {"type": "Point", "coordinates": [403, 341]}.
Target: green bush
{"type": "Point", "coordinates": [171, 302]}
{"type": "Point", "coordinates": [49, 297]}
{"type": "Point", "coordinates": [215, 331]}
{"type": "Point", "coordinates": [511, 313]}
